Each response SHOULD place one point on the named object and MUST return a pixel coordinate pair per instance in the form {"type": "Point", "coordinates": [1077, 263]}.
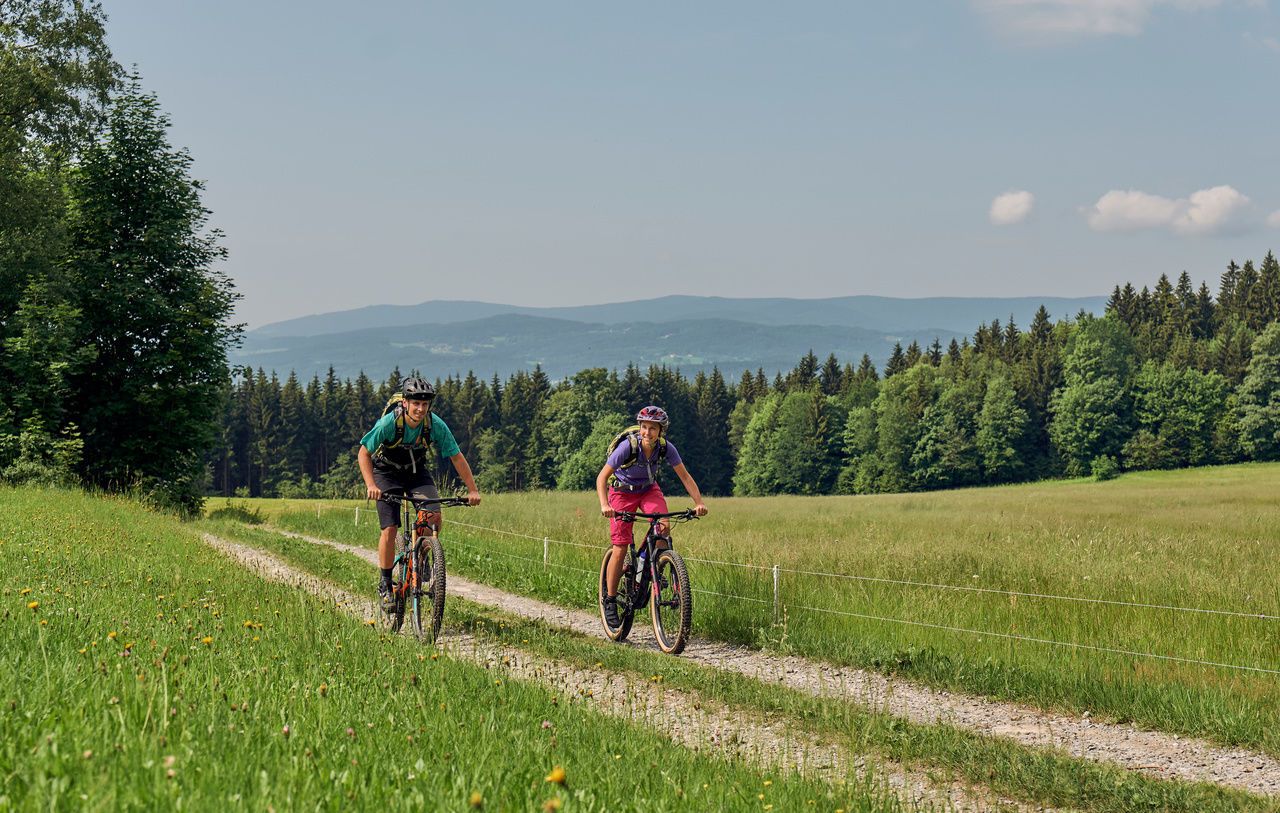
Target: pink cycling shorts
{"type": "Point", "coordinates": [650, 500]}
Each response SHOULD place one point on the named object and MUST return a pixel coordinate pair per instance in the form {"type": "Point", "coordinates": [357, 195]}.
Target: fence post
{"type": "Point", "coordinates": [775, 594]}
{"type": "Point", "coordinates": [357, 515]}
{"type": "Point", "coordinates": [544, 551]}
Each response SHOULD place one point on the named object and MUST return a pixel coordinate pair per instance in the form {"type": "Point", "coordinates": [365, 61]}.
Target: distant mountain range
{"type": "Point", "coordinates": [691, 333]}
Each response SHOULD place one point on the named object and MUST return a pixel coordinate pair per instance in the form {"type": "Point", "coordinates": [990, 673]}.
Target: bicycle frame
{"type": "Point", "coordinates": [420, 561]}
{"type": "Point", "coordinates": [646, 583]}
{"type": "Point", "coordinates": [413, 524]}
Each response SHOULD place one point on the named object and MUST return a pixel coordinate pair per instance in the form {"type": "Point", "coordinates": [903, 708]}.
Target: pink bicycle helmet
{"type": "Point", "coordinates": [655, 414]}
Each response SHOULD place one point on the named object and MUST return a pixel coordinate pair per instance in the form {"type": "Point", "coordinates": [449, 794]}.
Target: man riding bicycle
{"type": "Point", "coordinates": [630, 475]}
{"type": "Point", "coordinates": [394, 455]}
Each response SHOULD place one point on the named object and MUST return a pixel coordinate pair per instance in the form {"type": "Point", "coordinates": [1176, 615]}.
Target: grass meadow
{"type": "Point", "coordinates": [152, 673]}
{"type": "Point", "coordinates": [1151, 598]}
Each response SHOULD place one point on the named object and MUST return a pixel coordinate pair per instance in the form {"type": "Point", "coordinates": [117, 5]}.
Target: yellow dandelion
{"type": "Point", "coordinates": [557, 775]}
{"type": "Point", "coordinates": [551, 805]}
{"type": "Point", "coordinates": [111, 635]}
{"type": "Point", "coordinates": [33, 605]}
{"type": "Point", "coordinates": [476, 800]}
{"type": "Point", "coordinates": [206, 640]}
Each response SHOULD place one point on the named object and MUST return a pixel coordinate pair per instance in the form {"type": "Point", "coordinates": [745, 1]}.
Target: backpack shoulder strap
{"type": "Point", "coordinates": [399, 423]}
{"type": "Point", "coordinates": [424, 437]}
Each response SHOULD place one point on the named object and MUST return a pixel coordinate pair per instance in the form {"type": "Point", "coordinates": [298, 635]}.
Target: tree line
{"type": "Point", "coordinates": [1168, 376]}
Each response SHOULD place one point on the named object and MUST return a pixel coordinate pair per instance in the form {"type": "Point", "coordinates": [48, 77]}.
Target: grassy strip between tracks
{"type": "Point", "coordinates": [153, 673]}
{"type": "Point", "coordinates": [1034, 775]}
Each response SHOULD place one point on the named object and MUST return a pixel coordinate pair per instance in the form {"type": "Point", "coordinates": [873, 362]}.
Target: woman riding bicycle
{"type": "Point", "coordinates": [395, 457]}
{"type": "Point", "coordinates": [630, 476]}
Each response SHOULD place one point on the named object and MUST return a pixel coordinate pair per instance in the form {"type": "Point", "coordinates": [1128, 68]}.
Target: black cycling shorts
{"type": "Point", "coordinates": [408, 482]}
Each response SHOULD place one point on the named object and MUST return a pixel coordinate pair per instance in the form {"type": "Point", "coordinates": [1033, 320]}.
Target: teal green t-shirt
{"type": "Point", "coordinates": [384, 431]}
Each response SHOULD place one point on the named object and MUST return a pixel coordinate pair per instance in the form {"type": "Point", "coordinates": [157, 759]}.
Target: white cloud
{"type": "Point", "coordinates": [1211, 210]}
{"type": "Point", "coordinates": [1273, 219]}
{"type": "Point", "coordinates": [1049, 19]}
{"type": "Point", "coordinates": [1207, 211]}
{"type": "Point", "coordinates": [1127, 211]}
{"type": "Point", "coordinates": [1254, 41]}
{"type": "Point", "coordinates": [1011, 207]}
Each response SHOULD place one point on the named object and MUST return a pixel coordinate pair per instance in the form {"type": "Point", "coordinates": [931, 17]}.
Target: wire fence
{"type": "Point", "coordinates": [778, 572]}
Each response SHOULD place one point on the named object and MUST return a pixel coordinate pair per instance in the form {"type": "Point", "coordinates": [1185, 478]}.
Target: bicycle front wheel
{"type": "Point", "coordinates": [626, 614]}
{"type": "Point", "coordinates": [428, 597]}
{"type": "Point", "coordinates": [672, 608]}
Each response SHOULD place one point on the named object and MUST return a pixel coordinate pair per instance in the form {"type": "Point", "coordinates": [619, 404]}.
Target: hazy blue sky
{"type": "Point", "coordinates": [575, 153]}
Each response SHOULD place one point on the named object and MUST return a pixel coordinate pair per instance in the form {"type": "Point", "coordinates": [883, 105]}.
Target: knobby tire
{"type": "Point", "coordinates": [428, 598]}
{"type": "Point", "coordinates": [626, 585]}
{"type": "Point", "coordinates": [672, 608]}
{"type": "Point", "coordinates": [395, 618]}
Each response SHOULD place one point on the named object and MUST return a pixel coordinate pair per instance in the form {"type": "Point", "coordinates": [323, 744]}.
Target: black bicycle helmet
{"type": "Point", "coordinates": [417, 389]}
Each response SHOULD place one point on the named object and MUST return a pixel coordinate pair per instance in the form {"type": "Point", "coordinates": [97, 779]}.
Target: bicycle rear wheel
{"type": "Point", "coordinates": [428, 595]}
{"type": "Point", "coordinates": [672, 608]}
{"type": "Point", "coordinates": [626, 615]}
{"type": "Point", "coordinates": [395, 618]}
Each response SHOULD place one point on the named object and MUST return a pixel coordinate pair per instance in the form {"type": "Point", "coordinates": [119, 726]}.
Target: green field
{"type": "Point", "coordinates": [152, 673]}
{"type": "Point", "coordinates": [1150, 598]}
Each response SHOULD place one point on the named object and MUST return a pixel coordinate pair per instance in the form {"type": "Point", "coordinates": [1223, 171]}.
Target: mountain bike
{"type": "Point", "coordinates": [418, 572]}
{"type": "Point", "coordinates": [652, 574]}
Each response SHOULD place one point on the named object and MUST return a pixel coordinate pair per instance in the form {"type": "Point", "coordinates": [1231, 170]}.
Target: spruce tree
{"type": "Point", "coordinates": [831, 376]}
{"type": "Point", "coordinates": [897, 361]}
{"type": "Point", "coordinates": [153, 306]}
{"type": "Point", "coordinates": [1227, 285]}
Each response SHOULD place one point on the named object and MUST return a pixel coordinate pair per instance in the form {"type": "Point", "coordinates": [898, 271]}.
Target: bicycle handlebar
{"type": "Point", "coordinates": [399, 499]}
{"type": "Point", "coordinates": [631, 516]}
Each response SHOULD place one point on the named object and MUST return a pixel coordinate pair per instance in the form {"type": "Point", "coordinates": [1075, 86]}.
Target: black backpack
{"type": "Point", "coordinates": [396, 404]}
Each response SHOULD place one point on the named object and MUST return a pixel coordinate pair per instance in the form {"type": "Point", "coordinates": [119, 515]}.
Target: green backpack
{"type": "Point", "coordinates": [632, 436]}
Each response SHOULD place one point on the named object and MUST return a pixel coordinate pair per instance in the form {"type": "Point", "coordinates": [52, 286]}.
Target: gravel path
{"type": "Point", "coordinates": [1155, 753]}
{"type": "Point", "coordinates": [690, 719]}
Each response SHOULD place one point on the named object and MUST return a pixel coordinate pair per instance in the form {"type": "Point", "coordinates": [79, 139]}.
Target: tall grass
{"type": "Point", "coordinates": [152, 673]}
{"type": "Point", "coordinates": [1201, 539]}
